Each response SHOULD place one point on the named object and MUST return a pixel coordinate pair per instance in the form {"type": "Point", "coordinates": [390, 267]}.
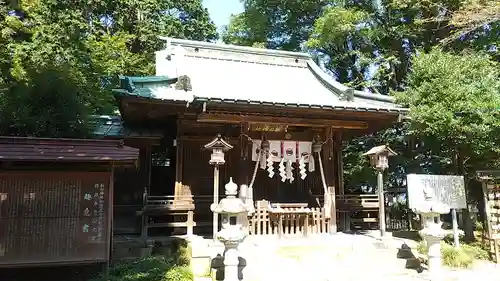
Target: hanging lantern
{"type": "Point", "coordinates": [379, 156]}
{"type": "Point", "coordinates": [265, 146]}
{"type": "Point", "coordinates": [218, 146]}
{"type": "Point", "coordinates": [317, 145]}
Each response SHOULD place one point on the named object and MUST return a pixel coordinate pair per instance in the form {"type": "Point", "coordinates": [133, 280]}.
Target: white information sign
{"type": "Point", "coordinates": [449, 190]}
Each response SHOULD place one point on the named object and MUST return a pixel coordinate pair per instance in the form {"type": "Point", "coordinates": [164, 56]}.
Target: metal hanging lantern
{"type": "Point", "coordinates": [265, 146]}
{"type": "Point", "coordinates": [317, 145]}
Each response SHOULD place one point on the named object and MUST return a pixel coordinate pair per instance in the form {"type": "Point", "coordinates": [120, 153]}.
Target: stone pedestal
{"type": "Point", "coordinates": [434, 254]}
{"type": "Point", "coordinates": [231, 262]}
{"type": "Point", "coordinates": [433, 234]}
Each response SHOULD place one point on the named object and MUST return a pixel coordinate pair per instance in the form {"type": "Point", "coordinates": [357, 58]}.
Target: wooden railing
{"type": "Point", "coordinates": [357, 201]}
{"type": "Point", "coordinates": [167, 205]}
{"type": "Point", "coordinates": [294, 222]}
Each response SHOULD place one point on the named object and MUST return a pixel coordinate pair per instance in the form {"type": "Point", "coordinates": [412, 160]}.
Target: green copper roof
{"type": "Point", "coordinates": [105, 126]}
{"type": "Point", "coordinates": [142, 86]}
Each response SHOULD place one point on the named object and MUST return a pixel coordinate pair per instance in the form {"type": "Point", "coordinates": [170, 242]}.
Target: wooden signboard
{"type": "Point", "coordinates": [449, 190]}
{"type": "Point", "coordinates": [54, 218]}
{"type": "Point", "coordinates": [267, 127]}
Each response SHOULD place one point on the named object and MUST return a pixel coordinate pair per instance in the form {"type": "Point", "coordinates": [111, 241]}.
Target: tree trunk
{"type": "Point", "coordinates": [468, 225]}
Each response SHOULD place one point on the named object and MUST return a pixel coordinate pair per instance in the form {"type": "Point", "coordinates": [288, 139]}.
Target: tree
{"type": "Point", "coordinates": [283, 25]}
{"type": "Point", "coordinates": [87, 46]}
{"type": "Point", "coordinates": [454, 101]}
{"type": "Point", "coordinates": [454, 98]}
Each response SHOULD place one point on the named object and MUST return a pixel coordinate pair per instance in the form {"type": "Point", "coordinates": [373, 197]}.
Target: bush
{"type": "Point", "coordinates": [155, 268]}
{"type": "Point", "coordinates": [455, 257]}
{"type": "Point", "coordinates": [476, 250]}
{"type": "Point", "coordinates": [462, 257]}
{"type": "Point", "coordinates": [181, 273]}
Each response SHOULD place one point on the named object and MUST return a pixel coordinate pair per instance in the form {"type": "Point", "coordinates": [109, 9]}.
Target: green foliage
{"type": "Point", "coordinates": [476, 250]}
{"type": "Point", "coordinates": [276, 24]}
{"type": "Point", "coordinates": [148, 269]}
{"type": "Point", "coordinates": [451, 256]}
{"type": "Point", "coordinates": [179, 274]}
{"type": "Point", "coordinates": [454, 99]}
{"type": "Point", "coordinates": [184, 256]}
{"type": "Point", "coordinates": [461, 257]}
{"type": "Point", "coordinates": [456, 257]}
{"type": "Point", "coordinates": [43, 107]}
{"type": "Point", "coordinates": [87, 46]}
{"type": "Point", "coordinates": [364, 44]}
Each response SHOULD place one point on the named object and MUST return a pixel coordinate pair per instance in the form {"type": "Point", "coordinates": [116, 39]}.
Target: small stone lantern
{"type": "Point", "coordinates": [379, 159]}
{"type": "Point", "coordinates": [232, 232]}
{"type": "Point", "coordinates": [432, 233]}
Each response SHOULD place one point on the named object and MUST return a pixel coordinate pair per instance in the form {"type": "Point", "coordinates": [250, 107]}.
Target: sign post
{"type": "Point", "coordinates": [456, 240]}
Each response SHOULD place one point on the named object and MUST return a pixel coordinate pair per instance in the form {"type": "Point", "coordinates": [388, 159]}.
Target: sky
{"type": "Point", "coordinates": [221, 10]}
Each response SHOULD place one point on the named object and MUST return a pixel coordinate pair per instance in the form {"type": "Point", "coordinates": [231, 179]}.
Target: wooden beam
{"type": "Point", "coordinates": [299, 122]}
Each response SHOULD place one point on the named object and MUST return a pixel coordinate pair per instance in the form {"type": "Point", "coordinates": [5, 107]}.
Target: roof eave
{"type": "Point", "coordinates": [339, 88]}
{"type": "Point", "coordinates": [394, 110]}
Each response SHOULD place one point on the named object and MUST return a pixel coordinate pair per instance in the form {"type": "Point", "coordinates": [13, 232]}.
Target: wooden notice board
{"type": "Point", "coordinates": [54, 218]}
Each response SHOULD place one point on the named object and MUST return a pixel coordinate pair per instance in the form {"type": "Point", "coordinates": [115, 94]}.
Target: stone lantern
{"type": "Point", "coordinates": [232, 232]}
{"type": "Point", "coordinates": [379, 159]}
{"type": "Point", "coordinates": [218, 146]}
{"type": "Point", "coordinates": [432, 233]}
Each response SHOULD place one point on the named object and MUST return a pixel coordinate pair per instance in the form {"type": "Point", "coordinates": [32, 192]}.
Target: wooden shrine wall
{"type": "Point", "coordinates": [197, 174]}
{"type": "Point", "coordinates": [54, 217]}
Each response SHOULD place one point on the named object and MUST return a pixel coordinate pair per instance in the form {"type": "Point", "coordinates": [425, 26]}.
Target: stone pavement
{"type": "Point", "coordinates": [340, 257]}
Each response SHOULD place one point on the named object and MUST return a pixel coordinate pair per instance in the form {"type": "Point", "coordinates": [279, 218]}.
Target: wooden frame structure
{"type": "Point", "coordinates": [491, 197]}
{"type": "Point", "coordinates": [276, 96]}
{"type": "Point", "coordinates": [56, 200]}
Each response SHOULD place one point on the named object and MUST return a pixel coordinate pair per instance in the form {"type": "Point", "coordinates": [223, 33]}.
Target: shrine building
{"type": "Point", "coordinates": [280, 120]}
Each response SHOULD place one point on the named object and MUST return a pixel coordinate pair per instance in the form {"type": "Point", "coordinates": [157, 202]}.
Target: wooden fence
{"type": "Point", "coordinates": [263, 222]}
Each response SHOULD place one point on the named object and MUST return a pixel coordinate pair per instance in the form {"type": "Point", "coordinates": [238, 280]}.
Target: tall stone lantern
{"type": "Point", "coordinates": [379, 159]}
{"type": "Point", "coordinates": [232, 232]}
{"type": "Point", "coordinates": [218, 146]}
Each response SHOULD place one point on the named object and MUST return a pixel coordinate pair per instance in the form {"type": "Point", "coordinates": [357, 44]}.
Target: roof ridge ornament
{"type": "Point", "coordinates": [184, 83]}
{"type": "Point", "coordinates": [347, 95]}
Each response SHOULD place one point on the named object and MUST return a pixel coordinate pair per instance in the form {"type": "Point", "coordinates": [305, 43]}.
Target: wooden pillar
{"type": "Point", "coordinates": [215, 223]}
{"type": "Point", "coordinates": [145, 174]}
{"type": "Point", "coordinates": [147, 167]}
{"type": "Point", "coordinates": [111, 194]}
{"type": "Point", "coordinates": [339, 175]}
{"type": "Point", "coordinates": [243, 170]}
{"type": "Point", "coordinates": [179, 157]}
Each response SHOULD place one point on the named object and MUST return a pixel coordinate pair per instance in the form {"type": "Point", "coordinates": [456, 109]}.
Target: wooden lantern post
{"type": "Point", "coordinates": [218, 147]}
{"type": "Point", "coordinates": [379, 160]}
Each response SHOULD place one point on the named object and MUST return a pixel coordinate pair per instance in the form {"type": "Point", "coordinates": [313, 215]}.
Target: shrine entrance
{"type": "Point", "coordinates": [288, 187]}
